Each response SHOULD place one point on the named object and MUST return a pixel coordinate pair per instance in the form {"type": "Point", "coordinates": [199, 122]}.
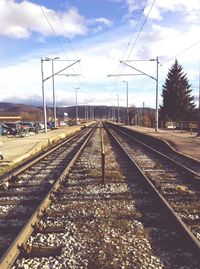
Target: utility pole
{"type": "Point", "coordinates": [44, 98]}
{"type": "Point", "coordinates": [112, 112]}
{"type": "Point", "coordinates": [127, 112]}
{"type": "Point", "coordinates": [53, 85]}
{"type": "Point", "coordinates": [54, 99]}
{"type": "Point", "coordinates": [154, 78]}
{"type": "Point", "coordinates": [86, 113]}
{"type": "Point", "coordinates": [198, 131]}
{"type": "Point", "coordinates": [156, 126]}
{"type": "Point", "coordinates": [76, 104]}
{"type": "Point", "coordinates": [117, 107]}
{"type": "Point", "coordinates": [52, 76]}
{"type": "Point", "coordinates": [143, 114]}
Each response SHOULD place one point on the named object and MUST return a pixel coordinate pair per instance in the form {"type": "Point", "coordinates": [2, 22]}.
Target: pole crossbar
{"type": "Point", "coordinates": [43, 91]}
{"type": "Point", "coordinates": [60, 71]}
{"type": "Point", "coordinates": [120, 75]}
{"type": "Point", "coordinates": [142, 73]}
{"type": "Point", "coordinates": [69, 75]}
{"type": "Point", "coordinates": [156, 79]}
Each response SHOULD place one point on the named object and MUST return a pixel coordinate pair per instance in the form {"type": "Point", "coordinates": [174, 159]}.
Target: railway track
{"type": "Point", "coordinates": [179, 185]}
{"type": "Point", "coordinates": [22, 190]}
{"type": "Point", "coordinates": [160, 145]}
{"type": "Point", "coordinates": [84, 222]}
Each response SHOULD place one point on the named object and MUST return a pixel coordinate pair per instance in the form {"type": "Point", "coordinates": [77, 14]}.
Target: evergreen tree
{"type": "Point", "coordinates": [178, 103]}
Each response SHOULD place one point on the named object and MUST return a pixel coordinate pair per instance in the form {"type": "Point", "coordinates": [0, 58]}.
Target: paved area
{"type": "Point", "coordinates": [17, 149]}
{"type": "Point", "coordinates": [184, 142]}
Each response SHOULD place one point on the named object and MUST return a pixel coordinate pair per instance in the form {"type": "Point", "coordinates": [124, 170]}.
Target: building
{"type": "Point", "coordinates": [9, 116]}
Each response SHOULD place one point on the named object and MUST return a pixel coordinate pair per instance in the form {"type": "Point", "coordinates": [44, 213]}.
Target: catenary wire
{"type": "Point", "coordinates": [182, 52]}
{"type": "Point", "coordinates": [141, 29]}
{"type": "Point", "coordinates": [120, 67]}
{"type": "Point", "coordinates": [56, 37]}
{"type": "Point", "coordinates": [142, 26]}
{"type": "Point", "coordinates": [72, 47]}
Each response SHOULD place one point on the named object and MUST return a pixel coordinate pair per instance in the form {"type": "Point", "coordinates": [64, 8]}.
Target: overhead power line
{"type": "Point", "coordinates": [56, 36]}
{"type": "Point", "coordinates": [141, 28]}
{"type": "Point", "coordinates": [129, 43]}
{"type": "Point", "coordinates": [70, 43]}
{"type": "Point", "coordinates": [54, 33]}
{"type": "Point", "coordinates": [182, 52]}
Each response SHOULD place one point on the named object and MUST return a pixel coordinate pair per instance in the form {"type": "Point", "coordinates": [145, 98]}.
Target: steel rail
{"type": "Point", "coordinates": [191, 239]}
{"type": "Point", "coordinates": [188, 170]}
{"type": "Point", "coordinates": [13, 252]}
{"type": "Point", "coordinates": [27, 164]}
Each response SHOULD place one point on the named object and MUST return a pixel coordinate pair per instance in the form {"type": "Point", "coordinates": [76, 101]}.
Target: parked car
{"type": "Point", "coordinates": [14, 128]}
{"type": "Point", "coordinates": [62, 123]}
{"type": "Point", "coordinates": [28, 125]}
{"type": "Point", "coordinates": [13, 125]}
{"type": "Point", "coordinates": [41, 125]}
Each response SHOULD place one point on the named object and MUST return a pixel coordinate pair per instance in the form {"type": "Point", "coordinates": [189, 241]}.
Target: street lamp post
{"type": "Point", "coordinates": [85, 113]}
{"type": "Point", "coordinates": [112, 111]}
{"type": "Point", "coordinates": [117, 107]}
{"type": "Point", "coordinates": [198, 129]}
{"type": "Point", "coordinates": [76, 105]}
{"type": "Point", "coordinates": [54, 99]}
{"type": "Point", "coordinates": [127, 112]}
{"type": "Point", "coordinates": [156, 114]}
{"type": "Point", "coordinates": [43, 93]}
{"type": "Point", "coordinates": [44, 99]}
{"type": "Point", "coordinates": [53, 84]}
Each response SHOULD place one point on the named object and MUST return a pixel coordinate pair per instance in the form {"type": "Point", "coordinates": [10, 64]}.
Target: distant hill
{"type": "Point", "coordinates": [17, 108]}
{"type": "Point", "coordinates": [30, 112]}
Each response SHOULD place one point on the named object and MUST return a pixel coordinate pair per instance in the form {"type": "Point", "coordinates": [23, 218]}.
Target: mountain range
{"type": "Point", "coordinates": [30, 112]}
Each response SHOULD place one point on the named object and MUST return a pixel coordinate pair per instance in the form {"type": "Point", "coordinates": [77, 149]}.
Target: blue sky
{"type": "Point", "coordinates": [99, 33]}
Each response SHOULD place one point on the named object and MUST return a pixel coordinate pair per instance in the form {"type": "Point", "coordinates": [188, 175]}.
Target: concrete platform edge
{"type": "Point", "coordinates": [40, 146]}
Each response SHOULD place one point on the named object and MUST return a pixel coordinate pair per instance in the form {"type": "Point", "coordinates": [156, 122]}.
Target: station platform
{"type": "Point", "coordinates": [18, 149]}
{"type": "Point", "coordinates": [184, 142]}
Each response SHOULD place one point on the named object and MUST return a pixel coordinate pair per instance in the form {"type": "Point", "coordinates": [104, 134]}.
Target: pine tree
{"type": "Point", "coordinates": [178, 103]}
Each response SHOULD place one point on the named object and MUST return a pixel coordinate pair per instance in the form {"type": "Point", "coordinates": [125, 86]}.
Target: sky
{"type": "Point", "coordinates": [91, 37]}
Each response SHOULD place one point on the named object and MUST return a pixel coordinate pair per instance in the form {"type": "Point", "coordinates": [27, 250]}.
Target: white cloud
{"type": "Point", "coordinates": [100, 57]}
{"type": "Point", "coordinates": [19, 20]}
{"type": "Point", "coordinates": [132, 6]}
{"type": "Point", "coordinates": [189, 9]}
{"type": "Point", "coordinates": [97, 24]}
{"type": "Point", "coordinates": [104, 21]}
